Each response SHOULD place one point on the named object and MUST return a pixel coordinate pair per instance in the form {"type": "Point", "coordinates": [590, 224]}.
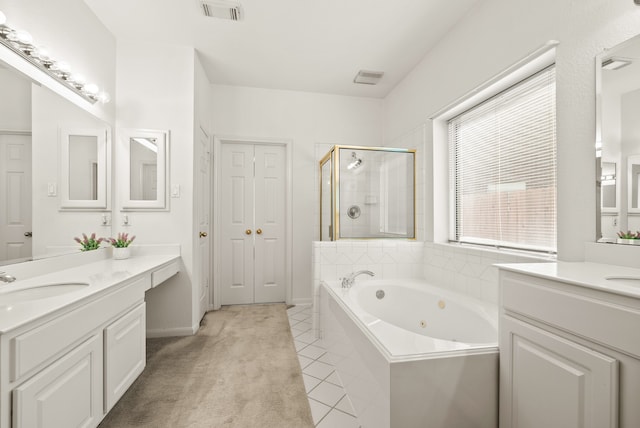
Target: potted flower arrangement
{"type": "Point", "coordinates": [629, 237]}
{"type": "Point", "coordinates": [120, 246]}
{"type": "Point", "coordinates": [89, 243]}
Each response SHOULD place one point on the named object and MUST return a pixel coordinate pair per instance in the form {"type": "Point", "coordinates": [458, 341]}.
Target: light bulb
{"type": "Point", "coordinates": [78, 78]}
{"type": "Point", "coordinates": [104, 97]}
{"type": "Point", "coordinates": [91, 88]}
{"type": "Point", "coordinates": [3, 18]}
{"type": "Point", "coordinates": [64, 67]}
{"type": "Point", "coordinates": [24, 37]}
{"type": "Point", "coordinates": [43, 53]}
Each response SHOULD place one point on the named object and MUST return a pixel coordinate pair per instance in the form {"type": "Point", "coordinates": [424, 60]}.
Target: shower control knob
{"type": "Point", "coordinates": [248, 231]}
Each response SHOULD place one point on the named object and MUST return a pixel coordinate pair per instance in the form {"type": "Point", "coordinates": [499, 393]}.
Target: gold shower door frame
{"type": "Point", "coordinates": [333, 156]}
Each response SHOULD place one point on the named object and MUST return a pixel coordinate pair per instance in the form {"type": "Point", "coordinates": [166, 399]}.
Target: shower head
{"type": "Point", "coordinates": [355, 161]}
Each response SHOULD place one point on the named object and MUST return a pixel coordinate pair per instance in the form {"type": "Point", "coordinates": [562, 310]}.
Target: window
{"type": "Point", "coordinates": [503, 168]}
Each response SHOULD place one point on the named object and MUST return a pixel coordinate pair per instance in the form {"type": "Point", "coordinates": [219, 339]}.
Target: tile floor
{"type": "Point", "coordinates": [329, 403]}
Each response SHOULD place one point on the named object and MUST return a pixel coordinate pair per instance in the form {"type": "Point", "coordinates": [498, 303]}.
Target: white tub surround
{"type": "Point", "coordinates": [395, 374]}
{"type": "Point", "coordinates": [69, 357]}
{"type": "Point", "coordinates": [569, 345]}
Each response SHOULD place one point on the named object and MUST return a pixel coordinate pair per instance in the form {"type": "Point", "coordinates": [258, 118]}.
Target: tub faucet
{"type": "Point", "coordinates": [5, 277]}
{"type": "Point", "coordinates": [349, 280]}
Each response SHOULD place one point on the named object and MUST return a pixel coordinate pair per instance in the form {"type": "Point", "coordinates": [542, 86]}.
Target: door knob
{"type": "Point", "coordinates": [248, 231]}
{"type": "Point", "coordinates": [203, 234]}
{"type": "Point", "coordinates": [259, 231]}
{"type": "Point", "coordinates": [28, 234]}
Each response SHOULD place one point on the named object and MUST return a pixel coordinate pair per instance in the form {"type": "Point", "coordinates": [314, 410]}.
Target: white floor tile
{"type": "Point", "coordinates": [310, 382]}
{"type": "Point", "coordinates": [333, 378]}
{"type": "Point", "coordinates": [345, 405]}
{"type": "Point", "coordinates": [306, 337]}
{"type": "Point", "coordinates": [327, 393]}
{"type": "Point", "coordinates": [325, 358]}
{"type": "Point", "coordinates": [300, 346]}
{"type": "Point", "coordinates": [304, 361]}
{"type": "Point", "coordinates": [337, 419]}
{"type": "Point", "coordinates": [310, 351]}
{"type": "Point", "coordinates": [296, 331]}
{"type": "Point", "coordinates": [319, 370]}
{"type": "Point", "coordinates": [300, 316]}
{"type": "Point", "coordinates": [303, 324]}
{"type": "Point", "coordinates": [318, 410]}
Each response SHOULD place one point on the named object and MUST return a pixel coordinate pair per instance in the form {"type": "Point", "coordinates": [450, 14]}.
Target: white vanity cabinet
{"type": "Point", "coordinates": [68, 369]}
{"type": "Point", "coordinates": [569, 354]}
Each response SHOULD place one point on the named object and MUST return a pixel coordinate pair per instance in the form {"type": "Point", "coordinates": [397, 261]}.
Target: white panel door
{"type": "Point", "coordinates": [203, 208]}
{"type": "Point", "coordinates": [270, 223]}
{"type": "Point", "coordinates": [252, 218]}
{"type": "Point", "coordinates": [15, 196]}
{"type": "Point", "coordinates": [236, 220]}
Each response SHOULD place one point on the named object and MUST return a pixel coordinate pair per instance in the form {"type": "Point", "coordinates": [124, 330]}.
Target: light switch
{"type": "Point", "coordinates": [175, 191]}
{"type": "Point", "coordinates": [106, 220]}
{"type": "Point", "coordinates": [125, 220]}
{"type": "Point", "coordinates": [52, 189]}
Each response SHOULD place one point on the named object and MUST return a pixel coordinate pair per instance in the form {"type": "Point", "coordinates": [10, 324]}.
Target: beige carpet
{"type": "Point", "coordinates": [239, 370]}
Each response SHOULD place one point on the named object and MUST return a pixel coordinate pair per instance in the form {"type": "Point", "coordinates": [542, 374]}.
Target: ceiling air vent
{"type": "Point", "coordinates": [221, 9]}
{"type": "Point", "coordinates": [365, 77]}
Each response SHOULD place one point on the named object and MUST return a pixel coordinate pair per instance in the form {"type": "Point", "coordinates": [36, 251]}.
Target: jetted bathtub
{"type": "Point", "coordinates": [413, 355]}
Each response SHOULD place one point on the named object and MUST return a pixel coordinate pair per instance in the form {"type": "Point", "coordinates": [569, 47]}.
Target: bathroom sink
{"type": "Point", "coordinates": [41, 291]}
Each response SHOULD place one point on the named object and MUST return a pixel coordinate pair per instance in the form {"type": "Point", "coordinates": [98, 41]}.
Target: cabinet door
{"type": "Point", "coordinates": [549, 381]}
{"type": "Point", "coordinates": [68, 393]}
{"type": "Point", "coordinates": [125, 354]}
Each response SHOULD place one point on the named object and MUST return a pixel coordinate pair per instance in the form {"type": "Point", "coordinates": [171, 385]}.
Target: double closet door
{"type": "Point", "coordinates": [252, 220]}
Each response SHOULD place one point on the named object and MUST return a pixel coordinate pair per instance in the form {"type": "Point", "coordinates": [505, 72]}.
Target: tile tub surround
{"type": "Point", "coordinates": [470, 270]}
{"type": "Point", "coordinates": [385, 257]}
{"type": "Point", "coordinates": [330, 406]}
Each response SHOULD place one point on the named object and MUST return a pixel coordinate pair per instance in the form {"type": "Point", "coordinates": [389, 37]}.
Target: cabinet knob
{"type": "Point", "coordinates": [259, 231]}
{"type": "Point", "coordinates": [248, 231]}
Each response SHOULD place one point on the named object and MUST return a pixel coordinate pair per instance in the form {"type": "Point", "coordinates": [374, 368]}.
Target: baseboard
{"type": "Point", "coordinates": [171, 332]}
{"type": "Point", "coordinates": [302, 301]}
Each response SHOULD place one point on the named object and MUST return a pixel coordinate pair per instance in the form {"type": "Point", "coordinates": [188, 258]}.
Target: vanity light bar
{"type": "Point", "coordinates": [21, 42]}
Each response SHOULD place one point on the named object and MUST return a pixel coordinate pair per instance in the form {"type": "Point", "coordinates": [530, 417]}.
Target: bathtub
{"type": "Point", "coordinates": [412, 355]}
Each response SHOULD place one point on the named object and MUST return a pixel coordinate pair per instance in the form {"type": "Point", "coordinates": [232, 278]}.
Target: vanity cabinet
{"type": "Point", "coordinates": [124, 354]}
{"type": "Point", "coordinates": [68, 393]}
{"type": "Point", "coordinates": [569, 355]}
{"type": "Point", "coordinates": [69, 369]}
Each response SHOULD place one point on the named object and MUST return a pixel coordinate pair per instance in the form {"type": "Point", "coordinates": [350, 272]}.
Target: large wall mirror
{"type": "Point", "coordinates": [618, 141]}
{"type": "Point", "coordinates": [144, 169]}
{"type": "Point", "coordinates": [54, 171]}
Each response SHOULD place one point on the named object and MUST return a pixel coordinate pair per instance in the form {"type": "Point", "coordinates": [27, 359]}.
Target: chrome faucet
{"type": "Point", "coordinates": [349, 280]}
{"type": "Point", "coordinates": [5, 277]}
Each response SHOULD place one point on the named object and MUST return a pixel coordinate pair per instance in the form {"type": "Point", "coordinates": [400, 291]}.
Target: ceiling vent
{"type": "Point", "coordinates": [365, 77]}
{"type": "Point", "coordinates": [221, 9]}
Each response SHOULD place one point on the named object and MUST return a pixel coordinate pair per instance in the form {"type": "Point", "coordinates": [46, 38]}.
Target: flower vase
{"type": "Point", "coordinates": [121, 253]}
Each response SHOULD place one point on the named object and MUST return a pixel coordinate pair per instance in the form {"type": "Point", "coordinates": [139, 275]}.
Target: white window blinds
{"type": "Point", "coordinates": [503, 167]}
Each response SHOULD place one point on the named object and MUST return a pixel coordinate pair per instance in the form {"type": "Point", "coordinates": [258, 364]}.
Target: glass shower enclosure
{"type": "Point", "coordinates": [367, 193]}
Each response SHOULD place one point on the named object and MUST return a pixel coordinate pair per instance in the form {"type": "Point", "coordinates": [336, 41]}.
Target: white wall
{"type": "Point", "coordinates": [15, 110]}
{"type": "Point", "coordinates": [73, 34]}
{"type": "Point", "coordinates": [306, 119]}
{"type": "Point", "coordinates": [498, 33]}
{"type": "Point", "coordinates": [155, 89]}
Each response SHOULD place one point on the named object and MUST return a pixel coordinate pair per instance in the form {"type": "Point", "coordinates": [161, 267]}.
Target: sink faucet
{"type": "Point", "coordinates": [5, 277]}
{"type": "Point", "coordinates": [349, 280]}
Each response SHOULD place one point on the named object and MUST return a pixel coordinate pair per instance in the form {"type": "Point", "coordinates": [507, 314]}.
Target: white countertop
{"type": "Point", "coordinates": [101, 275]}
{"type": "Point", "coordinates": [584, 274]}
